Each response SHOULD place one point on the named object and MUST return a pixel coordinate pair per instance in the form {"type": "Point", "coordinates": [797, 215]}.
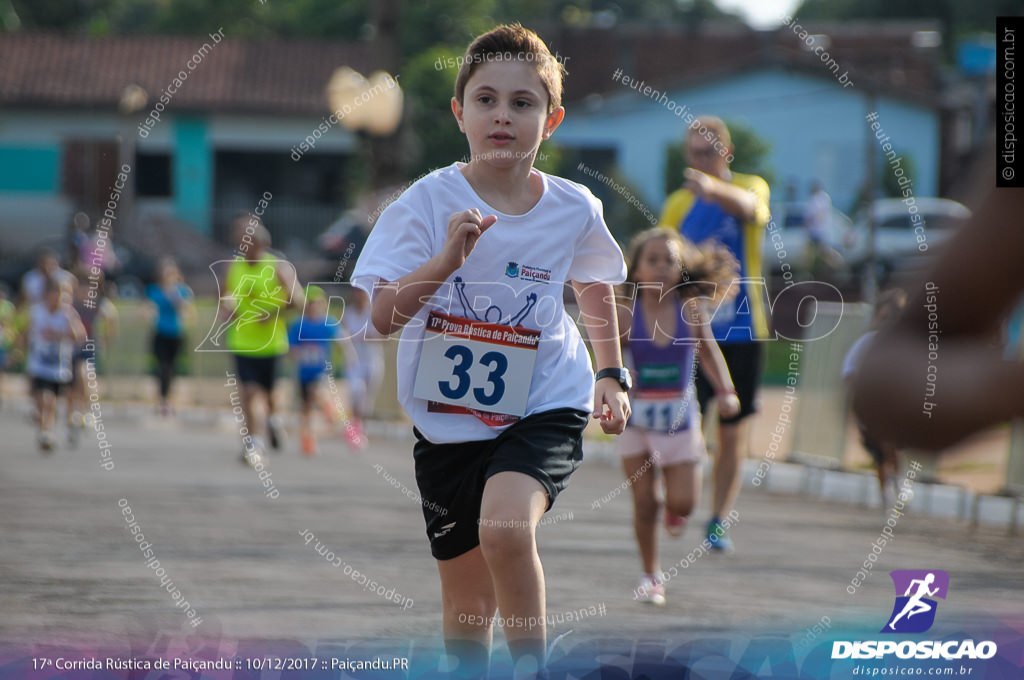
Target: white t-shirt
{"type": "Point", "coordinates": [33, 284]}
{"type": "Point", "coordinates": [515, 276]}
{"type": "Point", "coordinates": [49, 348]}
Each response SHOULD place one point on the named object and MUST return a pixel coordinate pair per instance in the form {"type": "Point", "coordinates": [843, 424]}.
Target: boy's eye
{"type": "Point", "coordinates": [523, 103]}
{"type": "Point", "coordinates": [484, 99]}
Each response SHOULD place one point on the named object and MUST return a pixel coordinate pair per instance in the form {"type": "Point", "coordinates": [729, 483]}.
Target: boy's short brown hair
{"type": "Point", "coordinates": [513, 42]}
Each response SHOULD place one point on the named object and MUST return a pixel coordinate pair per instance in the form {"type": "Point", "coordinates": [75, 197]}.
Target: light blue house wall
{"type": "Point", "coordinates": [815, 127]}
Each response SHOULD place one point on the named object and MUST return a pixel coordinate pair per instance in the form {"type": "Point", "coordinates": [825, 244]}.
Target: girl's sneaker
{"type": "Point", "coordinates": [649, 590]}
{"type": "Point", "coordinates": [674, 524]}
{"type": "Point", "coordinates": [354, 435]}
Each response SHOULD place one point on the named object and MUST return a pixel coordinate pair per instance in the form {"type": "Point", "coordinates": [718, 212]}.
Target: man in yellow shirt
{"type": "Point", "coordinates": [731, 208]}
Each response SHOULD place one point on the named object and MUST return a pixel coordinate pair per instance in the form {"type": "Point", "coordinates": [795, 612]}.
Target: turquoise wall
{"type": "Point", "coordinates": [30, 169]}
{"type": "Point", "coordinates": [193, 173]}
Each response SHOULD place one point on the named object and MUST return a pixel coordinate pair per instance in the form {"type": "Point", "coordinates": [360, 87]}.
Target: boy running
{"type": "Point", "coordinates": [470, 263]}
{"type": "Point", "coordinates": [54, 331]}
{"type": "Point", "coordinates": [311, 338]}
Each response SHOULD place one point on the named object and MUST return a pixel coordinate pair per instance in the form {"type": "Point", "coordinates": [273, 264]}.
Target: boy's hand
{"type": "Point", "coordinates": [728, 404]}
{"type": "Point", "coordinates": [611, 405]}
{"type": "Point", "coordinates": [464, 229]}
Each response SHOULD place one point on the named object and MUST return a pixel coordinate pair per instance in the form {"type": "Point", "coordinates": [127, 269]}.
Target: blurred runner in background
{"type": "Point", "coordinates": [173, 310]}
{"type": "Point", "coordinates": [888, 308]}
{"type": "Point", "coordinates": [99, 317]}
{"type": "Point", "coordinates": [53, 333]}
{"type": "Point", "coordinates": [732, 209]}
{"type": "Point", "coordinates": [257, 289]}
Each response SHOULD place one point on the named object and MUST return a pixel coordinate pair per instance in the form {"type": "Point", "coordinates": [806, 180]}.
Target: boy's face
{"type": "Point", "coordinates": [504, 113]}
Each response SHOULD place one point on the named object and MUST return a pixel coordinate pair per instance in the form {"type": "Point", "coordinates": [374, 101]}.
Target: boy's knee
{"type": "Point", "coordinates": [470, 608]}
{"type": "Point", "coordinates": [502, 540]}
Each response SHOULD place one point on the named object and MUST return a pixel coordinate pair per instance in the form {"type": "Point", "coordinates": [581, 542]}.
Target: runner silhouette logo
{"type": "Point", "coordinates": [914, 610]}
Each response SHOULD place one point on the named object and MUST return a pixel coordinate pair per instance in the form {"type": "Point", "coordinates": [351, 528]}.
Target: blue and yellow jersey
{"type": "Point", "coordinates": [743, 318]}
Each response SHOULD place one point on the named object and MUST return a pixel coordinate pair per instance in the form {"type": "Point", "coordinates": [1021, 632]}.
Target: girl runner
{"type": "Point", "coordinates": [668, 331]}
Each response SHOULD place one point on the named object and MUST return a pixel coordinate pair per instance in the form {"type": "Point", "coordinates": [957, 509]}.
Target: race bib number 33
{"type": "Point", "coordinates": [480, 366]}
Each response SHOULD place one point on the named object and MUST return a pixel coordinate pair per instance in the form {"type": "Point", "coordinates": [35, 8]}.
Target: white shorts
{"type": "Point", "coordinates": [686, 446]}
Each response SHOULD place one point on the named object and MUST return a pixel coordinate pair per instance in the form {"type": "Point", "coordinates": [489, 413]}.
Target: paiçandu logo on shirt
{"type": "Point", "coordinates": [514, 270]}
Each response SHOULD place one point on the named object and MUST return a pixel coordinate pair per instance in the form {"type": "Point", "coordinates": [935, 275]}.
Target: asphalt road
{"type": "Point", "coordinates": [70, 569]}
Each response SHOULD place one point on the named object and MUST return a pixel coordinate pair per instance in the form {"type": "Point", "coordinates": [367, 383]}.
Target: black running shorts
{"type": "Point", "coordinates": [547, 446]}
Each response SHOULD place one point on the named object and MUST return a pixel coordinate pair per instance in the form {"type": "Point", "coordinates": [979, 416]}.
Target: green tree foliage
{"type": "Point", "coordinates": [752, 156]}
{"type": "Point", "coordinates": [890, 182]}
{"type": "Point", "coordinates": [428, 91]}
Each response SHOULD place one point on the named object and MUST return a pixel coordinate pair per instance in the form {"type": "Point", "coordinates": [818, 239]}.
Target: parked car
{"type": "Point", "coordinates": [904, 235]}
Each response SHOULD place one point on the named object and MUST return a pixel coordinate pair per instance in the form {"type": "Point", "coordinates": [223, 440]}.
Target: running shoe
{"type": "Point", "coordinates": [718, 538]}
{"type": "Point", "coordinates": [674, 524]}
{"type": "Point", "coordinates": [46, 441]}
{"type": "Point", "coordinates": [354, 435]}
{"type": "Point", "coordinates": [274, 432]}
{"type": "Point", "coordinates": [650, 591]}
{"type": "Point", "coordinates": [308, 445]}
{"type": "Point", "coordinates": [250, 458]}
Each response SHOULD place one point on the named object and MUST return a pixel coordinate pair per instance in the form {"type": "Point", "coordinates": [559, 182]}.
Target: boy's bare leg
{"type": "Point", "coordinates": [512, 505]}
{"type": "Point", "coordinates": [248, 393]}
{"type": "Point", "coordinates": [469, 604]}
{"type": "Point", "coordinates": [646, 505]}
{"type": "Point", "coordinates": [47, 410]}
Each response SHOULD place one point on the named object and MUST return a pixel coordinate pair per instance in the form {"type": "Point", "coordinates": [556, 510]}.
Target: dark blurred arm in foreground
{"type": "Point", "coordinates": [952, 324]}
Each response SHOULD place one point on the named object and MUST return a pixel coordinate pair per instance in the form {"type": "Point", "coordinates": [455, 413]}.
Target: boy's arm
{"type": "Point", "coordinates": [286, 275]}
{"type": "Point", "coordinates": [597, 304]}
{"type": "Point", "coordinates": [395, 303]}
{"type": "Point", "coordinates": [111, 322]}
{"type": "Point", "coordinates": [75, 326]}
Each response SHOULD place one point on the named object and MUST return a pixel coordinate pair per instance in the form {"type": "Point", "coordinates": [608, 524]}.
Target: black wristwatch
{"type": "Point", "coordinates": [620, 374]}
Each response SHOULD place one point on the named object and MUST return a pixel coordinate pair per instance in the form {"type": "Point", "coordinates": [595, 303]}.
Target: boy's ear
{"type": "Point", "coordinates": [457, 112]}
{"type": "Point", "coordinates": [553, 121]}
